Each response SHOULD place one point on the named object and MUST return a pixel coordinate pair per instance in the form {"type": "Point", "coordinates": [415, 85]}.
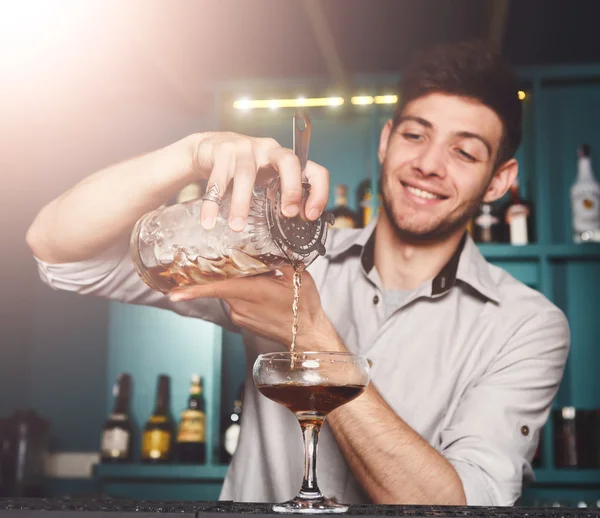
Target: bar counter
{"type": "Point", "coordinates": [113, 508]}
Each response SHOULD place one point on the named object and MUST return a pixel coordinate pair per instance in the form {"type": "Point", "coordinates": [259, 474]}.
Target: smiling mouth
{"type": "Point", "coordinates": [420, 193]}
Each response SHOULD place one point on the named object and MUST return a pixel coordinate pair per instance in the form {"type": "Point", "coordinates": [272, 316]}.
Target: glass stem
{"type": "Point", "coordinates": [310, 434]}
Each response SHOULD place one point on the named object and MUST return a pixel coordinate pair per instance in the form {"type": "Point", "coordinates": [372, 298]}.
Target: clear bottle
{"type": "Point", "coordinates": [585, 200]}
{"type": "Point", "coordinates": [518, 218]}
{"type": "Point", "coordinates": [170, 248]}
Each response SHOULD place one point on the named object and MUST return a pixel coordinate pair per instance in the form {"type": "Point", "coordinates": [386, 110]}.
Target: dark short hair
{"type": "Point", "coordinates": [470, 69]}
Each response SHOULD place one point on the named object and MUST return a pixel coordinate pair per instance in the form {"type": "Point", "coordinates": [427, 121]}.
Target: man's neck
{"type": "Point", "coordinates": [404, 266]}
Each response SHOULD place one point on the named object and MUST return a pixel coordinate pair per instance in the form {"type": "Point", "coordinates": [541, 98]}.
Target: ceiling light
{"type": "Point", "coordinates": [245, 104]}
{"type": "Point", "coordinates": [362, 99]}
{"type": "Point", "coordinates": [386, 99]}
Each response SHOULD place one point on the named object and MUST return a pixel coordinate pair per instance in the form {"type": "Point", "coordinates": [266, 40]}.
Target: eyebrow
{"type": "Point", "coordinates": [463, 134]}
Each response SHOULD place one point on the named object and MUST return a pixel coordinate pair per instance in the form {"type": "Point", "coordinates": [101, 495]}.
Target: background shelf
{"type": "Point", "coordinates": [568, 477]}
{"type": "Point", "coordinates": [161, 472]}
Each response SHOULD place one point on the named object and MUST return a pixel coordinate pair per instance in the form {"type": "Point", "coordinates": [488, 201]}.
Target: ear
{"type": "Point", "coordinates": [501, 181]}
{"type": "Point", "coordinates": [383, 141]}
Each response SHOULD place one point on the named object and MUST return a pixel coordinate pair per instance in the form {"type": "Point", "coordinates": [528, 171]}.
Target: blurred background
{"type": "Point", "coordinates": [84, 84]}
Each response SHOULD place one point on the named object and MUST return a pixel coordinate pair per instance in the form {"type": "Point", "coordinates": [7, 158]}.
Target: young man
{"type": "Point", "coordinates": [466, 360]}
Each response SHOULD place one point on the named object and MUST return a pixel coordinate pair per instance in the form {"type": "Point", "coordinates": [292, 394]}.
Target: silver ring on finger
{"type": "Point", "coordinates": [213, 194]}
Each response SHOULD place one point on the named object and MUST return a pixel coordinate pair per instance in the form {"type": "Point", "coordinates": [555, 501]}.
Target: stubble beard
{"type": "Point", "coordinates": [440, 232]}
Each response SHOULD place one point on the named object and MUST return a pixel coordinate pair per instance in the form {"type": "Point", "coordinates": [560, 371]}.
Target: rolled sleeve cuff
{"type": "Point", "coordinates": [77, 276]}
{"type": "Point", "coordinates": [479, 489]}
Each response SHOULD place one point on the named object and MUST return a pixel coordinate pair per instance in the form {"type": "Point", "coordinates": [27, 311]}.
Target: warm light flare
{"type": "Point", "coordinates": [32, 24]}
{"type": "Point", "coordinates": [247, 104]}
{"type": "Point", "coordinates": [386, 99]}
{"type": "Point", "coordinates": [362, 100]}
{"type": "Point", "coordinates": [522, 95]}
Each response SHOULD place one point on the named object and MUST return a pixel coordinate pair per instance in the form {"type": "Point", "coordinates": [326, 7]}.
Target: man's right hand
{"type": "Point", "coordinates": [222, 157]}
{"type": "Point", "coordinates": [103, 208]}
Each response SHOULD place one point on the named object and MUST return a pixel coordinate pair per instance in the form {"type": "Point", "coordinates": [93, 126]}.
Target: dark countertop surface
{"type": "Point", "coordinates": [111, 508]}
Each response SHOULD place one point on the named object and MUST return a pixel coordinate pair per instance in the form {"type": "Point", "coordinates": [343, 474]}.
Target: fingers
{"type": "Point", "coordinates": [217, 184]}
{"type": "Point", "coordinates": [229, 156]}
{"type": "Point", "coordinates": [318, 177]}
{"type": "Point", "coordinates": [243, 183]}
{"type": "Point", "coordinates": [288, 167]}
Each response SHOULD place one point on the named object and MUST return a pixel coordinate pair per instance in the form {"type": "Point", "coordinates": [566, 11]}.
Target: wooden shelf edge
{"type": "Point", "coordinates": [167, 471]}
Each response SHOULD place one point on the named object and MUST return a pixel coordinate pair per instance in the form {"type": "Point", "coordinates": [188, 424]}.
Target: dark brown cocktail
{"type": "Point", "coordinates": [311, 385]}
{"type": "Point", "coordinates": [320, 399]}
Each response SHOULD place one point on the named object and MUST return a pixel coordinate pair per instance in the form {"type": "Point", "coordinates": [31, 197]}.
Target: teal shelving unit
{"type": "Point", "coordinates": [182, 472]}
{"type": "Point", "coordinates": [561, 111]}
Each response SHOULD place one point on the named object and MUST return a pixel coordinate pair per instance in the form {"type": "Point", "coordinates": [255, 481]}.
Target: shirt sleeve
{"type": "Point", "coordinates": [112, 275]}
{"type": "Point", "coordinates": [493, 436]}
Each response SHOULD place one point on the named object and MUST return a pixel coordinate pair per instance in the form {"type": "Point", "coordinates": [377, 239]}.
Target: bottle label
{"type": "Point", "coordinates": [586, 210]}
{"type": "Point", "coordinates": [192, 427]}
{"type": "Point", "coordinates": [344, 222]}
{"type": "Point", "coordinates": [115, 443]}
{"type": "Point", "coordinates": [156, 444]}
{"type": "Point", "coordinates": [232, 435]}
{"type": "Point", "coordinates": [486, 221]}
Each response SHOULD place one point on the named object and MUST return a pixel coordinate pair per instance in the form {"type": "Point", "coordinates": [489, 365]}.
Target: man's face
{"type": "Point", "coordinates": [437, 165]}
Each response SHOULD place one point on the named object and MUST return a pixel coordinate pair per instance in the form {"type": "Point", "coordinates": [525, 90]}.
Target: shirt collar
{"type": "Point", "coordinates": [467, 264]}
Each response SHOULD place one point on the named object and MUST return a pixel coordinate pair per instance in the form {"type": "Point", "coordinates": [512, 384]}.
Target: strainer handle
{"type": "Point", "coordinates": [301, 141]}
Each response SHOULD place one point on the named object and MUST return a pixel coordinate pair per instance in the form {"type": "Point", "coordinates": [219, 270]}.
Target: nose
{"type": "Point", "coordinates": [430, 160]}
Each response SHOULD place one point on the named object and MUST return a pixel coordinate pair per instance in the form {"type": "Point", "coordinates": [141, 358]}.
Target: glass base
{"type": "Point", "coordinates": [317, 506]}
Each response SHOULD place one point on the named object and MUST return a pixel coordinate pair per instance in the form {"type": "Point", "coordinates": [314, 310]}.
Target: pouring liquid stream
{"type": "Point", "coordinates": [297, 284]}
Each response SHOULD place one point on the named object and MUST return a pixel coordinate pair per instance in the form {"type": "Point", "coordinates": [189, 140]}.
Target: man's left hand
{"type": "Point", "coordinates": [263, 305]}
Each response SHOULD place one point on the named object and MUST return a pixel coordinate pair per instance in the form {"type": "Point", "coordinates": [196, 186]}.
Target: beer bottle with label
{"type": "Point", "coordinates": [486, 225]}
{"type": "Point", "coordinates": [157, 439]}
{"type": "Point", "coordinates": [364, 199]}
{"type": "Point", "coordinates": [344, 217]}
{"type": "Point", "coordinates": [232, 426]}
{"type": "Point", "coordinates": [117, 432]}
{"type": "Point", "coordinates": [191, 437]}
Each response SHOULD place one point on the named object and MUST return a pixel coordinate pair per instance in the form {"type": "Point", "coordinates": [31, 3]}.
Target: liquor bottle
{"type": "Point", "coordinates": [117, 432]}
{"type": "Point", "coordinates": [364, 201]}
{"type": "Point", "coordinates": [231, 427]}
{"type": "Point", "coordinates": [191, 437]}
{"type": "Point", "coordinates": [486, 225]}
{"type": "Point", "coordinates": [518, 218]}
{"type": "Point", "coordinates": [344, 217]}
{"type": "Point", "coordinates": [157, 438]}
{"type": "Point", "coordinates": [585, 200]}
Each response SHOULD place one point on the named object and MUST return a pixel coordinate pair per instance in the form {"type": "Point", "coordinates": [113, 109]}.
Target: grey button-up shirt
{"type": "Point", "coordinates": [471, 360]}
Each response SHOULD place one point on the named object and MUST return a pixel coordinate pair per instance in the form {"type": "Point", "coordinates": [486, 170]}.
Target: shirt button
{"type": "Point", "coordinates": [376, 299]}
{"type": "Point", "coordinates": [525, 430]}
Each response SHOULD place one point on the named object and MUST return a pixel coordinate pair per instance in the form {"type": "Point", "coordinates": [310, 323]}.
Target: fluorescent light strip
{"type": "Point", "coordinates": [247, 104]}
{"type": "Point", "coordinates": [362, 99]}
{"type": "Point", "coordinates": [386, 99]}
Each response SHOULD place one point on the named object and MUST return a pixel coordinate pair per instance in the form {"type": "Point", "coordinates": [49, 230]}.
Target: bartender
{"type": "Point", "coordinates": [466, 359]}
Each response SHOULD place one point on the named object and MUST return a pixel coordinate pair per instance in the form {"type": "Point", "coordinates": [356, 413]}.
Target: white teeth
{"type": "Point", "coordinates": [423, 194]}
